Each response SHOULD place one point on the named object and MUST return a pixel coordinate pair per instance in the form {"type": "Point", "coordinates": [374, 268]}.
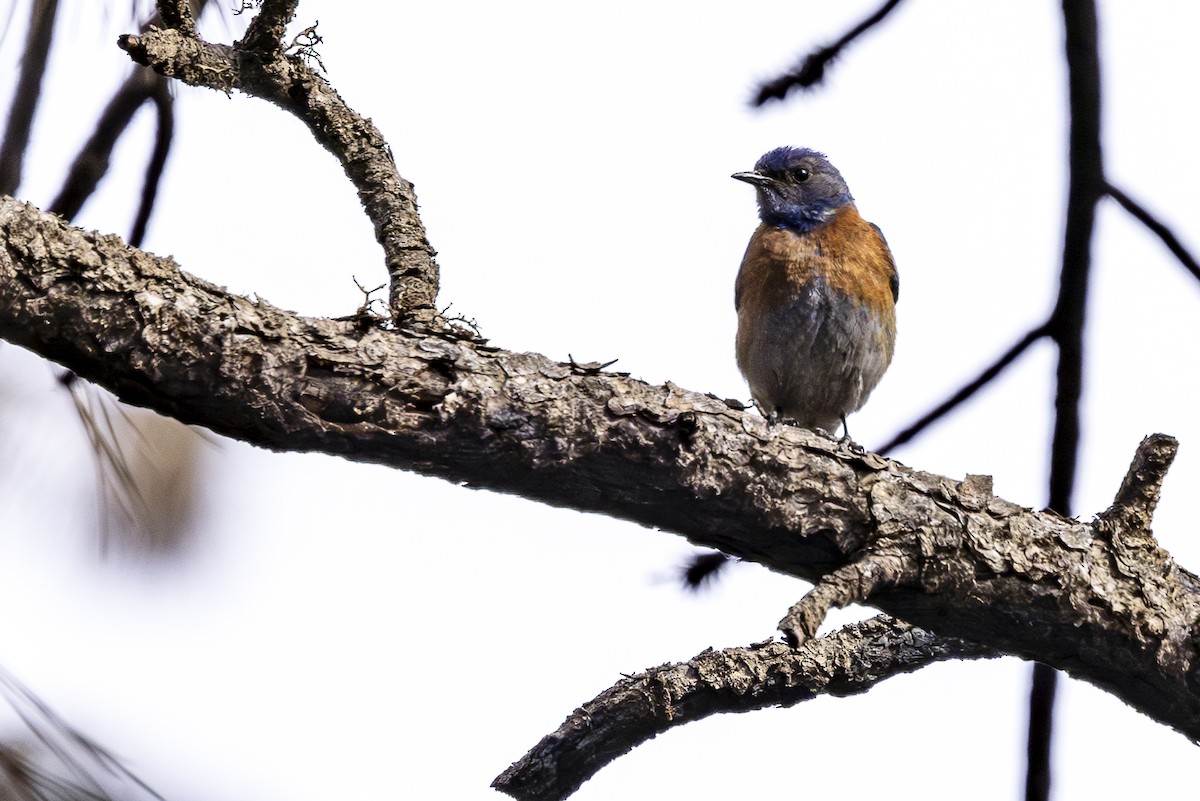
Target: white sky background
{"type": "Point", "coordinates": [350, 631]}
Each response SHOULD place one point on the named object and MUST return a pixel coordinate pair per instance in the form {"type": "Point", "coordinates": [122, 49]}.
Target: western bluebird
{"type": "Point", "coordinates": [815, 295]}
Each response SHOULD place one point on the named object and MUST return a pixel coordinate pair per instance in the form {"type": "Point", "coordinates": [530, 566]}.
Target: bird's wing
{"type": "Point", "coordinates": [894, 278]}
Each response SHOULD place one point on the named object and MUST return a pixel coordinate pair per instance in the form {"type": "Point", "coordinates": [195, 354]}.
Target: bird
{"type": "Point", "coordinates": [816, 304]}
{"type": "Point", "coordinates": [815, 295]}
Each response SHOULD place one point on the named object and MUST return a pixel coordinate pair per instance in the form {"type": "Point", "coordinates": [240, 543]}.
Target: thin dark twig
{"type": "Point", "coordinates": [1156, 227]}
{"type": "Point", "coordinates": [1041, 726]}
{"type": "Point", "coordinates": [164, 105]}
{"type": "Point", "coordinates": [28, 92]}
{"type": "Point", "coordinates": [969, 389]}
{"type": "Point", "coordinates": [92, 162]}
{"type": "Point", "coordinates": [812, 70]}
{"type": "Point", "coordinates": [1086, 188]}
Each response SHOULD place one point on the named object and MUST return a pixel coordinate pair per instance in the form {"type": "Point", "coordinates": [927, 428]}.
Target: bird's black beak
{"type": "Point", "coordinates": [756, 178]}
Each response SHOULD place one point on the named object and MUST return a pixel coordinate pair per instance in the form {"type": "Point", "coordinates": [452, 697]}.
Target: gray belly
{"type": "Point", "coordinates": [815, 359]}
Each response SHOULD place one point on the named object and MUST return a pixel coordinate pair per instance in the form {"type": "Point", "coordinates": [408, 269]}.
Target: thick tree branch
{"type": "Point", "coordinates": [265, 32]}
{"type": "Point", "coordinates": [853, 660]}
{"type": "Point", "coordinates": [260, 67]}
{"type": "Point", "coordinates": [639, 708]}
{"type": "Point", "coordinates": [1086, 188]}
{"type": "Point", "coordinates": [1092, 599]}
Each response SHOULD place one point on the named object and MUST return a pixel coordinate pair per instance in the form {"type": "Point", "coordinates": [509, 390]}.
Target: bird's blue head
{"type": "Point", "coordinates": [798, 188]}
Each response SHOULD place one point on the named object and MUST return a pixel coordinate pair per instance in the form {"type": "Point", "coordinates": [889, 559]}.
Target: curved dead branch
{"type": "Point", "coordinates": [261, 67]}
{"type": "Point", "coordinates": [640, 707]}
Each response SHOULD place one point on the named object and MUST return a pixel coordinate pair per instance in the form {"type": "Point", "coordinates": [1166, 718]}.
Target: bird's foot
{"type": "Point", "coordinates": [847, 442]}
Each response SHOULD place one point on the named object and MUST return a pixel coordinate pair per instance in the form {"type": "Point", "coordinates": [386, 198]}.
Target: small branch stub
{"type": "Point", "coordinates": [1139, 493]}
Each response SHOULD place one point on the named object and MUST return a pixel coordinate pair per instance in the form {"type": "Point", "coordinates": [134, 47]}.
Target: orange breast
{"type": "Point", "coordinates": [849, 252]}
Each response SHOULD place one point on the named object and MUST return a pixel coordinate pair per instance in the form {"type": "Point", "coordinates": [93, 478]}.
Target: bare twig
{"type": "Point", "coordinates": [164, 135]}
{"type": "Point", "coordinates": [812, 70]}
{"type": "Point", "coordinates": [304, 44]}
{"type": "Point", "coordinates": [1043, 686]}
{"type": "Point", "coordinates": [1086, 188]}
{"type": "Point", "coordinates": [1158, 228]}
{"type": "Point", "coordinates": [142, 85]}
{"type": "Point", "coordinates": [28, 91]}
{"type": "Point", "coordinates": [968, 390]}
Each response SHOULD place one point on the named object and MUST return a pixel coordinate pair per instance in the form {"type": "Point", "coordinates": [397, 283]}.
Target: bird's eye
{"type": "Point", "coordinates": [800, 174]}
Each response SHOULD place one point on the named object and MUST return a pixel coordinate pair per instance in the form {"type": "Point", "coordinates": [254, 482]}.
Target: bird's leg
{"type": "Point", "coordinates": [847, 441]}
{"type": "Point", "coordinates": [773, 415]}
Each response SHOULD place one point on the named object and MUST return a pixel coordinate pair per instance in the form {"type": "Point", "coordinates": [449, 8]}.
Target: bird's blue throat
{"type": "Point", "coordinates": [803, 219]}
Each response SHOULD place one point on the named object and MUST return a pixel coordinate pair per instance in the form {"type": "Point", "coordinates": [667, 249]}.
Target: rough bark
{"type": "Point", "coordinates": [1100, 600]}
{"type": "Point", "coordinates": [262, 67]}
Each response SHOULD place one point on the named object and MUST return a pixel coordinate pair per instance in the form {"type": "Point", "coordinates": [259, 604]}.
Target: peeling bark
{"type": "Point", "coordinates": [1101, 600]}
